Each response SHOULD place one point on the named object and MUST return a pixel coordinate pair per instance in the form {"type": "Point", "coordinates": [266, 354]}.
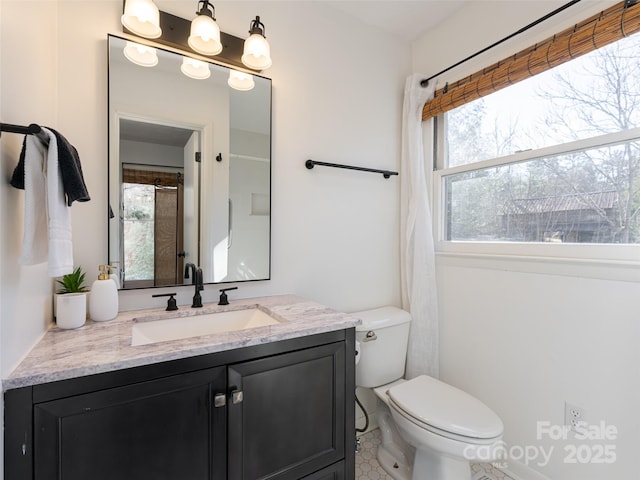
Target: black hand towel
{"type": "Point", "coordinates": [70, 170]}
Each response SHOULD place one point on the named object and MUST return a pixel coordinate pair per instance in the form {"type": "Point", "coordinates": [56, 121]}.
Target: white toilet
{"type": "Point", "coordinates": [430, 430]}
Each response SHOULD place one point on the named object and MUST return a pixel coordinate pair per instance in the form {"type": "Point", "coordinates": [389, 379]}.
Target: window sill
{"type": "Point", "coordinates": [601, 269]}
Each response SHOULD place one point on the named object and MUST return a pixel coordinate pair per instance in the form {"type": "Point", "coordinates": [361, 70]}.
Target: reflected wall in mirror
{"type": "Point", "coordinates": [189, 172]}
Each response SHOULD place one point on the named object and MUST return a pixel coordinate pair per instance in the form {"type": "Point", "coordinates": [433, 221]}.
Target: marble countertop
{"type": "Point", "coordinates": [100, 347]}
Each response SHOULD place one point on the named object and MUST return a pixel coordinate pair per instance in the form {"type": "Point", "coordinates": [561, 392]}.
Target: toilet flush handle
{"type": "Point", "coordinates": [370, 336]}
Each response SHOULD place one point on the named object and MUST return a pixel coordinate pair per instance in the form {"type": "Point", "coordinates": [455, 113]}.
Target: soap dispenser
{"type": "Point", "coordinates": [114, 273]}
{"type": "Point", "coordinates": [103, 299]}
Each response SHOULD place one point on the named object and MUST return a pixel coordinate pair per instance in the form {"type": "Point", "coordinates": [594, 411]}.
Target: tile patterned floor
{"type": "Point", "coordinates": [368, 468]}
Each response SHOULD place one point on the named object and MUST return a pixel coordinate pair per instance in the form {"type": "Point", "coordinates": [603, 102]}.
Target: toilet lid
{"type": "Point", "coordinates": [447, 408]}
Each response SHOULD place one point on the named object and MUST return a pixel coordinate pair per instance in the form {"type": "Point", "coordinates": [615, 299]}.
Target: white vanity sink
{"type": "Point", "coordinates": [162, 330]}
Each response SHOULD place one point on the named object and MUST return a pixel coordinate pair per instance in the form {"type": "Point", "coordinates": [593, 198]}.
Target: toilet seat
{"type": "Point", "coordinates": [445, 410]}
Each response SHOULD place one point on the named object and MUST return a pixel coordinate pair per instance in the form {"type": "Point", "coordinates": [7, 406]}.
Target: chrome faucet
{"type": "Point", "coordinates": [197, 280]}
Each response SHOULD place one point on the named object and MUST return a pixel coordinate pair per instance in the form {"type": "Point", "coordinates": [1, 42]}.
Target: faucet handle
{"type": "Point", "coordinates": [171, 303]}
{"type": "Point", "coordinates": [200, 279]}
{"type": "Point", "coordinates": [224, 300]}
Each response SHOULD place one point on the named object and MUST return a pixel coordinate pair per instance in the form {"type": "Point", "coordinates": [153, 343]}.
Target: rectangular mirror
{"type": "Point", "coordinates": [189, 169]}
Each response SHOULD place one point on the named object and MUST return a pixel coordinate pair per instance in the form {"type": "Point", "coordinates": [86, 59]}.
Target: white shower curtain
{"type": "Point", "coordinates": [417, 262]}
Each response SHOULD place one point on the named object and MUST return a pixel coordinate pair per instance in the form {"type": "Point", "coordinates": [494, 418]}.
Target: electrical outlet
{"type": "Point", "coordinates": [574, 417]}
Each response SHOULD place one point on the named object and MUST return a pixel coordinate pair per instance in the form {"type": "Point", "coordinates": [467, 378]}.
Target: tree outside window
{"type": "Point", "coordinates": [589, 192]}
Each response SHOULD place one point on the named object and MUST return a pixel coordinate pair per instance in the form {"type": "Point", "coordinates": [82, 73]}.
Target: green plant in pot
{"type": "Point", "coordinates": [71, 300]}
{"type": "Point", "coordinates": [72, 282]}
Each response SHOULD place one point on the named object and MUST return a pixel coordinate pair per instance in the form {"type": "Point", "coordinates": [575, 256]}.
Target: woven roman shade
{"type": "Point", "coordinates": [150, 177]}
{"type": "Point", "coordinates": [595, 32]}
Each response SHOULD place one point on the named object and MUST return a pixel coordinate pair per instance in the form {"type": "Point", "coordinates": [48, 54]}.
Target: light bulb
{"type": "Point", "coordinates": [142, 17]}
{"type": "Point", "coordinates": [141, 54]}
{"type": "Point", "coordinates": [196, 69]}
{"type": "Point", "coordinates": [257, 53]}
{"type": "Point", "coordinates": [205, 36]}
{"type": "Point", "coordinates": [240, 81]}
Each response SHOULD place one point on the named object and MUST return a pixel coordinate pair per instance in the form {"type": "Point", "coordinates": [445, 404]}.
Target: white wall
{"type": "Point", "coordinates": [527, 342]}
{"type": "Point", "coordinates": [25, 292]}
{"type": "Point", "coordinates": [28, 95]}
{"type": "Point", "coordinates": [486, 22]}
{"type": "Point", "coordinates": [335, 233]}
{"type": "Point", "coordinates": [154, 154]}
{"type": "Point", "coordinates": [522, 338]}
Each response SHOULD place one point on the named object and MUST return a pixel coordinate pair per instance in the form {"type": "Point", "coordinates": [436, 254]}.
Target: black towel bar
{"type": "Point", "coordinates": [32, 129]}
{"type": "Point", "coordinates": [385, 173]}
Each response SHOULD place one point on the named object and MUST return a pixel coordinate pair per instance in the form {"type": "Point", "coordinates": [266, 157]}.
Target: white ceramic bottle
{"type": "Point", "coordinates": [103, 299]}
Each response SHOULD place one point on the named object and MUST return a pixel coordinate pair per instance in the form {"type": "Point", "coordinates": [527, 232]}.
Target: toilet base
{"type": "Point", "coordinates": [430, 465]}
{"type": "Point", "coordinates": [395, 469]}
{"type": "Point", "coordinates": [402, 461]}
{"type": "Point", "coordinates": [394, 455]}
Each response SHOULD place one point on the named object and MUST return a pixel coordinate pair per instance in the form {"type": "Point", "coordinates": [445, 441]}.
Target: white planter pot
{"type": "Point", "coordinates": [71, 310]}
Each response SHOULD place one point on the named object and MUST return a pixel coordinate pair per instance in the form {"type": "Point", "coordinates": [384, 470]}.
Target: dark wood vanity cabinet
{"type": "Point", "coordinates": [276, 411]}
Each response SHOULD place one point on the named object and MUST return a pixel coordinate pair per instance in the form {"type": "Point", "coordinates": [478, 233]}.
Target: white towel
{"type": "Point", "coordinates": [47, 230]}
{"type": "Point", "coordinates": [34, 241]}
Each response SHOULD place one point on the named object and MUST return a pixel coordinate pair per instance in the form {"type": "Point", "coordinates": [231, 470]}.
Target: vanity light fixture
{"type": "Point", "coordinates": [204, 37]}
{"type": "Point", "coordinates": [241, 81]}
{"type": "Point", "coordinates": [257, 53]}
{"type": "Point", "coordinates": [141, 54]}
{"type": "Point", "coordinates": [142, 18]}
{"type": "Point", "coordinates": [200, 35]}
{"type": "Point", "coordinates": [196, 69]}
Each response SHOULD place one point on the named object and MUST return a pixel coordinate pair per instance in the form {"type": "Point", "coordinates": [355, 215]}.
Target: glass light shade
{"type": "Point", "coordinates": [142, 17]}
{"type": "Point", "coordinates": [257, 53]}
{"type": "Point", "coordinates": [205, 36]}
{"type": "Point", "coordinates": [141, 54]}
{"type": "Point", "coordinates": [196, 69]}
{"type": "Point", "coordinates": [241, 81]}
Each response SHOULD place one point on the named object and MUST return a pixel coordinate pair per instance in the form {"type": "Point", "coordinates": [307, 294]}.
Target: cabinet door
{"type": "Point", "coordinates": [289, 419]}
{"type": "Point", "coordinates": [334, 472]}
{"type": "Point", "coordinates": [164, 429]}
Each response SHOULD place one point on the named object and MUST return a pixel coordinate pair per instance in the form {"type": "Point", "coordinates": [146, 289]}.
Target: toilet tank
{"type": "Point", "coordinates": [383, 337]}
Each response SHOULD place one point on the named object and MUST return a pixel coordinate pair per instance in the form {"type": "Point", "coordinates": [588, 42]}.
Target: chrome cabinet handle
{"type": "Point", "coordinates": [219, 400]}
{"type": "Point", "coordinates": [237, 396]}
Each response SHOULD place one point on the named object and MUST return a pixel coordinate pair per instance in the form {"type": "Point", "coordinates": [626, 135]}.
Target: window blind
{"type": "Point", "coordinates": [610, 25]}
{"type": "Point", "coordinates": [150, 177]}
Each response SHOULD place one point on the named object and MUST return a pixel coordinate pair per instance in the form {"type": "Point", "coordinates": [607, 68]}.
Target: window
{"type": "Point", "coordinates": [152, 225]}
{"type": "Point", "coordinates": [139, 208]}
{"type": "Point", "coordinates": [552, 159]}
